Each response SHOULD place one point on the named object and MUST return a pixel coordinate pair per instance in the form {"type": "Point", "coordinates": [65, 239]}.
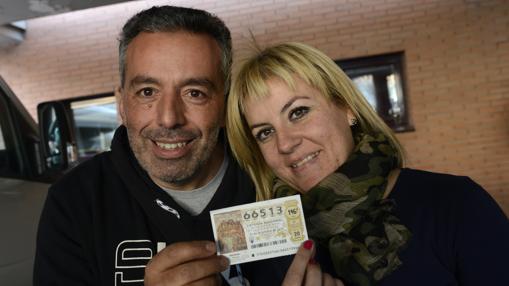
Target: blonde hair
{"type": "Point", "coordinates": [284, 61]}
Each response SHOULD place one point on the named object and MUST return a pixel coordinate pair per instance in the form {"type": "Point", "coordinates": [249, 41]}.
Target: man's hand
{"type": "Point", "coordinates": [185, 263]}
{"type": "Point", "coordinates": [305, 271]}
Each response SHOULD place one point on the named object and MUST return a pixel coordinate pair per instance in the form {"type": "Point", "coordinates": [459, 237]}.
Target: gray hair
{"type": "Point", "coordinates": [173, 19]}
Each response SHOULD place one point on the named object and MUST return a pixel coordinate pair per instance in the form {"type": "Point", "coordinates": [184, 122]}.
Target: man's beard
{"type": "Point", "coordinates": [172, 171]}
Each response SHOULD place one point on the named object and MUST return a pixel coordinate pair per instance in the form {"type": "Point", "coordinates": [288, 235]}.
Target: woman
{"type": "Point", "coordinates": [297, 124]}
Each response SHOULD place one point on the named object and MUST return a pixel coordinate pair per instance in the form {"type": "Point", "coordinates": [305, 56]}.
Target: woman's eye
{"type": "Point", "coordinates": [298, 112]}
{"type": "Point", "coordinates": [263, 134]}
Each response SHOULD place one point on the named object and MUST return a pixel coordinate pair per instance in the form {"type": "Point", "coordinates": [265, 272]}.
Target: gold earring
{"type": "Point", "coordinates": [353, 121]}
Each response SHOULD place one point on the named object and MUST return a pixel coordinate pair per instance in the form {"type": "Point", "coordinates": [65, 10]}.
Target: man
{"type": "Point", "coordinates": [169, 166]}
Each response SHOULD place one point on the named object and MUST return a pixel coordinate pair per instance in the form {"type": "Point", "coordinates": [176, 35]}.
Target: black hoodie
{"type": "Point", "coordinates": [105, 219]}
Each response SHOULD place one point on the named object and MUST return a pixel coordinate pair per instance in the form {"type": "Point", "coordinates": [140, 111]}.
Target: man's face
{"type": "Point", "coordinates": [172, 104]}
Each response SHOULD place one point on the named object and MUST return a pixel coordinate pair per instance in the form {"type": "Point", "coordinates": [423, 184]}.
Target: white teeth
{"type": "Point", "coordinates": [301, 162]}
{"type": "Point", "coordinates": [171, 146]}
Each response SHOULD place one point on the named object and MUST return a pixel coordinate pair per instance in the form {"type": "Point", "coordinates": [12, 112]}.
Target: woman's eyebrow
{"type": "Point", "coordinates": [257, 125]}
{"type": "Point", "coordinates": [289, 103]}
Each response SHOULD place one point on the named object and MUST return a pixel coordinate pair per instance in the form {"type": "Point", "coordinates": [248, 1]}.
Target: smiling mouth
{"type": "Point", "coordinates": [305, 160]}
{"type": "Point", "coordinates": [171, 146]}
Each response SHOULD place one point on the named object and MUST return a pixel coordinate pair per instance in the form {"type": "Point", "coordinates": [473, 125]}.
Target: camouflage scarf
{"type": "Point", "coordinates": [346, 213]}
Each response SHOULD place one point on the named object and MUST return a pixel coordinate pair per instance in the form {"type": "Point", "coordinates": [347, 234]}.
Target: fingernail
{"type": "Point", "coordinates": [308, 244]}
{"type": "Point", "coordinates": [210, 246]}
{"type": "Point", "coordinates": [312, 261]}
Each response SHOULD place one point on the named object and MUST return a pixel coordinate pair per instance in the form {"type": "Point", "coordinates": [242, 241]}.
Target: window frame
{"type": "Point", "coordinates": [394, 60]}
{"type": "Point", "coordinates": [66, 118]}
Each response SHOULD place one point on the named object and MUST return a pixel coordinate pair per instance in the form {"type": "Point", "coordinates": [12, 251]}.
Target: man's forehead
{"type": "Point", "coordinates": [183, 42]}
{"type": "Point", "coordinates": [179, 55]}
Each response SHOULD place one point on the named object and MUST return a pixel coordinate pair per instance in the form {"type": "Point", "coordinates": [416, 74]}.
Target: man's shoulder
{"type": "Point", "coordinates": [234, 170]}
{"type": "Point", "coordinates": [236, 187]}
{"type": "Point", "coordinates": [86, 173]}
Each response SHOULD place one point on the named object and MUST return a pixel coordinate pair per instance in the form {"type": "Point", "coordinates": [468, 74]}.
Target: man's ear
{"type": "Point", "coordinates": [120, 103]}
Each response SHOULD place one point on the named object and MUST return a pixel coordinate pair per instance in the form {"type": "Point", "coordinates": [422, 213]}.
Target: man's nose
{"type": "Point", "coordinates": [287, 141]}
{"type": "Point", "coordinates": [170, 111]}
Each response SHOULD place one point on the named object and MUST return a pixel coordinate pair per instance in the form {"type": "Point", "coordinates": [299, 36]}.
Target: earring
{"type": "Point", "coordinates": [353, 121]}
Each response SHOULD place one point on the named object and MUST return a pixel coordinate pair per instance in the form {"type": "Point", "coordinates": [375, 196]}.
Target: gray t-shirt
{"type": "Point", "coordinates": [194, 201]}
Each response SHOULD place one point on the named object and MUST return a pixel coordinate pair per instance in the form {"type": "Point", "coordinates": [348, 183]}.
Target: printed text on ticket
{"type": "Point", "coordinates": [259, 230]}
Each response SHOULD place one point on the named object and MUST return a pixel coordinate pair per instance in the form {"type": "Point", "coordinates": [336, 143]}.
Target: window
{"type": "Point", "coordinates": [381, 80]}
{"type": "Point", "coordinates": [5, 168]}
{"type": "Point", "coordinates": [51, 127]}
{"type": "Point", "coordinates": [9, 151]}
{"type": "Point", "coordinates": [3, 153]}
{"type": "Point", "coordinates": [95, 121]}
{"type": "Point", "coordinates": [2, 143]}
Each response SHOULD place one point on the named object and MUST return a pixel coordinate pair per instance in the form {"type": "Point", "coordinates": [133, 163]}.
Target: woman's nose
{"type": "Point", "coordinates": [287, 141]}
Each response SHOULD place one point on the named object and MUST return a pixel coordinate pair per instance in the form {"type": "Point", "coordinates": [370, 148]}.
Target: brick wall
{"type": "Point", "coordinates": [457, 64]}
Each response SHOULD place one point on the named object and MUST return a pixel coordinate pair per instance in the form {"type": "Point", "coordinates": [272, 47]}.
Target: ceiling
{"type": "Point", "coordinates": [15, 10]}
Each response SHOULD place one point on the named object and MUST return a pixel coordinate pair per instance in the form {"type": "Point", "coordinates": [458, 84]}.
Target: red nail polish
{"type": "Point", "coordinates": [308, 244]}
{"type": "Point", "coordinates": [312, 261]}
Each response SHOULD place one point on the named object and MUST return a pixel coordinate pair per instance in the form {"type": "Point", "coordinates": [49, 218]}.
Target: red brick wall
{"type": "Point", "coordinates": [457, 63]}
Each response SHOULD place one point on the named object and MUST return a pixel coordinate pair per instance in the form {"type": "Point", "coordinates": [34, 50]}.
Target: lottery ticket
{"type": "Point", "coordinates": [259, 230]}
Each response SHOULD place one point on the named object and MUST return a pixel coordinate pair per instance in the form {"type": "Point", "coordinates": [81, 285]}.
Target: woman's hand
{"type": "Point", "coordinates": [304, 270]}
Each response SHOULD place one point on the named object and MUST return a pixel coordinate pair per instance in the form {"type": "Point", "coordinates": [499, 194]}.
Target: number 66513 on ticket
{"type": "Point", "coordinates": [259, 230]}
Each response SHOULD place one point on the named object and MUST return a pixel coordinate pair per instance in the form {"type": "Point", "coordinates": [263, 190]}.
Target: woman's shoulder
{"type": "Point", "coordinates": [433, 179]}
{"type": "Point", "coordinates": [449, 217]}
{"type": "Point", "coordinates": [430, 190]}
{"type": "Point", "coordinates": [425, 183]}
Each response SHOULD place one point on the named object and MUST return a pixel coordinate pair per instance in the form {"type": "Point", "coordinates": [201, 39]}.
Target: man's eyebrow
{"type": "Point", "coordinates": [142, 79]}
{"type": "Point", "coordinates": [200, 82]}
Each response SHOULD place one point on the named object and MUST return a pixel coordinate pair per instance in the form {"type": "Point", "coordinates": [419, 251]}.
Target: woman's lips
{"type": "Point", "coordinates": [305, 160]}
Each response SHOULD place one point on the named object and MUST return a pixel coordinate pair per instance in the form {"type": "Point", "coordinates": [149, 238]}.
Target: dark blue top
{"type": "Point", "coordinates": [460, 236]}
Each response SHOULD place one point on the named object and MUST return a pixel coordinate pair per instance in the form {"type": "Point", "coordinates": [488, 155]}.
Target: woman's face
{"type": "Point", "coordinates": [302, 135]}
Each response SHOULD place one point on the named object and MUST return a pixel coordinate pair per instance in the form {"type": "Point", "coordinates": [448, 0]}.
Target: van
{"type": "Point", "coordinates": [32, 156]}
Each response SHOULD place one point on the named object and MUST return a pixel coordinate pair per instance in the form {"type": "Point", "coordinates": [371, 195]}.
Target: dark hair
{"type": "Point", "coordinates": [173, 19]}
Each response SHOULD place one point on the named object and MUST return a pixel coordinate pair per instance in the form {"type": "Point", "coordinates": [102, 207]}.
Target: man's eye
{"type": "Point", "coordinates": [263, 134]}
{"type": "Point", "coordinates": [298, 112]}
{"type": "Point", "coordinates": [195, 93]}
{"type": "Point", "coordinates": [146, 92]}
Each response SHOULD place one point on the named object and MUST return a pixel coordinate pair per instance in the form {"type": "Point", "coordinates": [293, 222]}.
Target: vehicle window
{"type": "Point", "coordinates": [4, 155]}
{"type": "Point", "coordinates": [9, 160]}
{"type": "Point", "coordinates": [52, 131]}
{"type": "Point", "coordinates": [2, 143]}
{"type": "Point", "coordinates": [3, 152]}
{"type": "Point", "coordinates": [95, 121]}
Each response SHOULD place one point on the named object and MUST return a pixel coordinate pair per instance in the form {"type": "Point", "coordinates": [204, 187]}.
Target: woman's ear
{"type": "Point", "coordinates": [352, 120]}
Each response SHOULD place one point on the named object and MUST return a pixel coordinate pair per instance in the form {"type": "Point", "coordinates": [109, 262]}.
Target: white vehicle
{"type": "Point", "coordinates": [32, 156]}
